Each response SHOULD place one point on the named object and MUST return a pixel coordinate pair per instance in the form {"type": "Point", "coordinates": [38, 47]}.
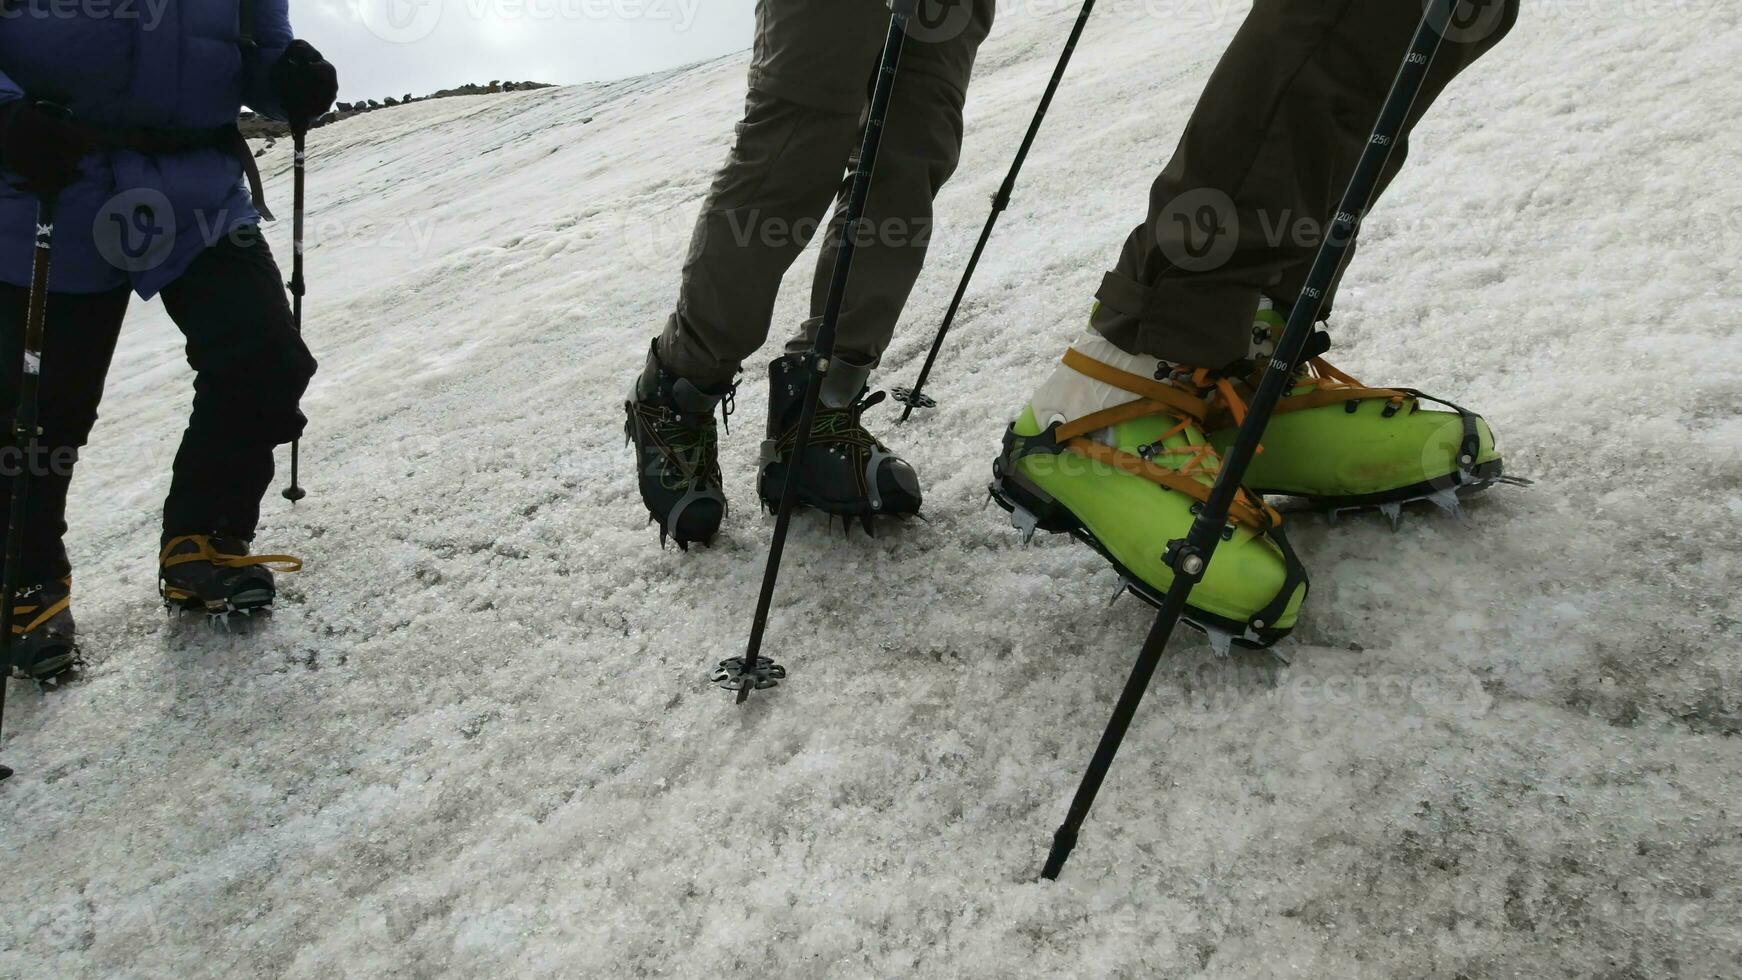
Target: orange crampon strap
{"type": "Point", "coordinates": [1329, 386]}
{"type": "Point", "coordinates": [278, 563]}
{"type": "Point", "coordinates": [1158, 398]}
{"type": "Point", "coordinates": [42, 615]}
{"type": "Point", "coordinates": [1324, 384]}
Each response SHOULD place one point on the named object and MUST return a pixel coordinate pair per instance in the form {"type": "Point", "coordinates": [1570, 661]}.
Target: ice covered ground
{"type": "Point", "coordinates": [477, 740]}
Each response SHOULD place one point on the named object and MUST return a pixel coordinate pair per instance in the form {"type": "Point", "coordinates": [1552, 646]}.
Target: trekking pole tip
{"type": "Point", "coordinates": [294, 494]}
{"type": "Point", "coordinates": [1063, 843]}
{"type": "Point", "coordinates": [912, 398]}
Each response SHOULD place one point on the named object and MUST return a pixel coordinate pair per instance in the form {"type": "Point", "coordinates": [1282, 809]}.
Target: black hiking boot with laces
{"type": "Point", "coordinates": [44, 641]}
{"type": "Point", "coordinates": [677, 453]}
{"type": "Point", "coordinates": [846, 471]}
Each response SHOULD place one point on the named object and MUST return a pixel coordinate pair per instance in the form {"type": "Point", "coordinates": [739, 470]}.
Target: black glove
{"type": "Point", "coordinates": [41, 148]}
{"type": "Point", "coordinates": [306, 84]}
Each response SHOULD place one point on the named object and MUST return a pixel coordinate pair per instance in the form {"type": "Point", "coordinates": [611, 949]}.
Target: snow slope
{"type": "Point", "coordinates": [477, 741]}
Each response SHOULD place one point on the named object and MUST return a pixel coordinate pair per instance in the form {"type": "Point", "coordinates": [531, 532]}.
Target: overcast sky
{"type": "Point", "coordinates": [392, 47]}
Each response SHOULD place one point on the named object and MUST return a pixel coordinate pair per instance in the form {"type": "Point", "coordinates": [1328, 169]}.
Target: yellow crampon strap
{"type": "Point", "coordinates": [1156, 398]}
{"type": "Point", "coordinates": [42, 615]}
{"type": "Point", "coordinates": [278, 563]}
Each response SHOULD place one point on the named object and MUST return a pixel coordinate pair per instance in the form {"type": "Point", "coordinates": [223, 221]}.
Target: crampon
{"type": "Point", "coordinates": [217, 578]}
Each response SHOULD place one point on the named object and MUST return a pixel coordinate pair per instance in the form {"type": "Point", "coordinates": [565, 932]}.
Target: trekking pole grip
{"type": "Point", "coordinates": [298, 286]}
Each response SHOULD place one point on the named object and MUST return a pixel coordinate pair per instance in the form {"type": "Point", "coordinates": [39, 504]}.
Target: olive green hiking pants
{"type": "Point", "coordinates": [810, 82]}
{"type": "Point", "coordinates": [1242, 208]}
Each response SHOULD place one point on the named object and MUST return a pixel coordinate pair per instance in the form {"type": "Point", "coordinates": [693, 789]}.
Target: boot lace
{"type": "Point", "coordinates": [842, 426]}
{"type": "Point", "coordinates": [690, 450]}
{"type": "Point", "coordinates": [1176, 393]}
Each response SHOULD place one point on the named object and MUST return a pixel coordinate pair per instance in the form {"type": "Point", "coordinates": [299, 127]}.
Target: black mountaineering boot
{"type": "Point", "coordinates": [217, 576]}
{"type": "Point", "coordinates": [43, 639]}
{"type": "Point", "coordinates": [845, 471]}
{"type": "Point", "coordinates": [677, 452]}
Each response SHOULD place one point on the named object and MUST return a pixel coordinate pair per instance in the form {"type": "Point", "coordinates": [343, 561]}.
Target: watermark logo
{"type": "Point", "coordinates": [665, 239]}
{"type": "Point", "coordinates": [400, 21]}
{"type": "Point", "coordinates": [1199, 230]}
{"type": "Point", "coordinates": [135, 230]}
{"type": "Point", "coordinates": [1470, 21]}
{"type": "Point", "coordinates": [935, 21]}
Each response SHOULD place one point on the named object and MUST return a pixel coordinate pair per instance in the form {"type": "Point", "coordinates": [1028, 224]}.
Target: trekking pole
{"type": "Point", "coordinates": [1189, 558]}
{"type": "Point", "coordinates": [299, 136]}
{"type": "Point", "coordinates": [754, 670]}
{"type": "Point", "coordinates": [915, 397]}
{"type": "Point", "coordinates": [24, 432]}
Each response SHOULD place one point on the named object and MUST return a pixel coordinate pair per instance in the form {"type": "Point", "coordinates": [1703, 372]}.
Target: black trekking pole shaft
{"type": "Point", "coordinates": [1000, 203]}
{"type": "Point", "coordinates": [24, 432]}
{"type": "Point", "coordinates": [823, 349]}
{"type": "Point", "coordinates": [1192, 556]}
{"type": "Point", "coordinates": [298, 288]}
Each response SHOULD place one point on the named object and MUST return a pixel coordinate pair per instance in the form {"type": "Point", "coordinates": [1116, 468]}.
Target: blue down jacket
{"type": "Point", "coordinates": [156, 64]}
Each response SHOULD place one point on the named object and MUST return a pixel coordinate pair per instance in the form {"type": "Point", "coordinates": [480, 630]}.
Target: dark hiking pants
{"type": "Point", "coordinates": [810, 83]}
{"type": "Point", "coordinates": [251, 371]}
{"type": "Point", "coordinates": [1241, 210]}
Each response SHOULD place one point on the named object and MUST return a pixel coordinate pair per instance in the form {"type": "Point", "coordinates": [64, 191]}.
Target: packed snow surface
{"type": "Point", "coordinates": [478, 741]}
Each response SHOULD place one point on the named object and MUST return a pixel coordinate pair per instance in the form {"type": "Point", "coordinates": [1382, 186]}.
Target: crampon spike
{"type": "Point", "coordinates": [1119, 593]}
{"type": "Point", "coordinates": [1394, 513]}
{"type": "Point", "coordinates": [64, 677]}
{"type": "Point", "coordinates": [1447, 500]}
{"type": "Point", "coordinates": [1221, 643]}
{"type": "Point", "coordinates": [1026, 523]}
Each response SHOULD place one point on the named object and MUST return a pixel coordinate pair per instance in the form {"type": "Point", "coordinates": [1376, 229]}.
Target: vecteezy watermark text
{"type": "Point", "coordinates": [148, 13]}
{"type": "Point", "coordinates": [410, 21]}
{"type": "Point", "coordinates": [38, 461]}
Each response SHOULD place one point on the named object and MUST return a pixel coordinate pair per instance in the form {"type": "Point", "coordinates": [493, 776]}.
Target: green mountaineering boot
{"type": "Point", "coordinates": [1344, 446]}
{"type": "Point", "coordinates": [1111, 450]}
